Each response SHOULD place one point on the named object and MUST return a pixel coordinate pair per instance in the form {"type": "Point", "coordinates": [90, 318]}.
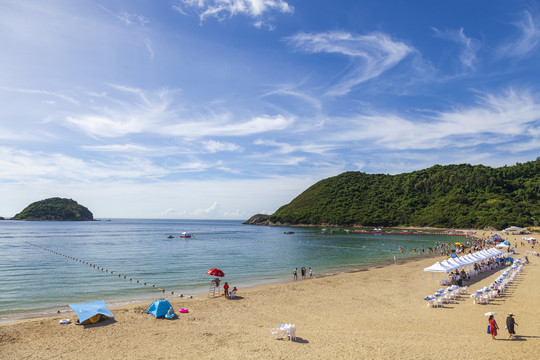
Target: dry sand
{"type": "Point", "coordinates": [374, 314]}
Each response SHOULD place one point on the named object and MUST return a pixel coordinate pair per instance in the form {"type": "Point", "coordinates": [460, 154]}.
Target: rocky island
{"type": "Point", "coordinates": [55, 209]}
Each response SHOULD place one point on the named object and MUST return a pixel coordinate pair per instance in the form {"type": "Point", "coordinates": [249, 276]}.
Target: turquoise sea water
{"type": "Point", "coordinates": [35, 280]}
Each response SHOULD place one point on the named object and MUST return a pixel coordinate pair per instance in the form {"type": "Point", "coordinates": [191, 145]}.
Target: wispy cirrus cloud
{"type": "Point", "coordinates": [496, 118]}
{"type": "Point", "coordinates": [46, 93]}
{"type": "Point", "coordinates": [136, 111]}
{"type": "Point", "coordinates": [286, 148]}
{"type": "Point", "coordinates": [470, 45]}
{"type": "Point", "coordinates": [529, 28]}
{"type": "Point", "coordinates": [371, 54]}
{"type": "Point", "coordinates": [213, 146]}
{"type": "Point", "coordinates": [221, 9]}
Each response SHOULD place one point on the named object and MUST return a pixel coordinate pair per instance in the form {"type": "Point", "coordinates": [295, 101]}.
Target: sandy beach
{"type": "Point", "coordinates": [374, 314]}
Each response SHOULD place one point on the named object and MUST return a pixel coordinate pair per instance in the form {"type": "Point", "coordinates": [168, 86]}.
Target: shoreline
{"type": "Point", "coordinates": [379, 313]}
{"type": "Point", "coordinates": [149, 297]}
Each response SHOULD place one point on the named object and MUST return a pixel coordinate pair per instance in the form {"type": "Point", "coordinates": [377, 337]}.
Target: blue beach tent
{"type": "Point", "coordinates": [87, 310]}
{"type": "Point", "coordinates": [159, 308]}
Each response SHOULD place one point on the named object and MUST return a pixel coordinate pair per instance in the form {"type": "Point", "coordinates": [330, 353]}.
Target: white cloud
{"type": "Point", "coordinates": [372, 54]}
{"type": "Point", "coordinates": [255, 125]}
{"type": "Point", "coordinates": [470, 46]}
{"type": "Point", "coordinates": [285, 148]}
{"type": "Point", "coordinates": [47, 93]}
{"type": "Point", "coordinates": [212, 210]}
{"type": "Point", "coordinates": [156, 113]}
{"type": "Point", "coordinates": [529, 27]}
{"type": "Point", "coordinates": [495, 118]}
{"type": "Point", "coordinates": [213, 146]}
{"type": "Point", "coordinates": [237, 214]}
{"type": "Point", "coordinates": [289, 92]}
{"type": "Point", "coordinates": [122, 148]}
{"type": "Point", "coordinates": [221, 9]}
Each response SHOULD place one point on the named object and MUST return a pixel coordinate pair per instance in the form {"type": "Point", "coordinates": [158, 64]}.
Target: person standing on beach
{"type": "Point", "coordinates": [310, 274]}
{"type": "Point", "coordinates": [226, 289]}
{"type": "Point", "coordinates": [493, 327]}
{"type": "Point", "coordinates": [295, 274]}
{"type": "Point", "coordinates": [510, 322]}
{"type": "Point", "coordinates": [303, 273]}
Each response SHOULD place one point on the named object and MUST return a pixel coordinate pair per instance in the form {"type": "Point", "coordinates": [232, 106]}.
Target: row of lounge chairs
{"type": "Point", "coordinates": [445, 295]}
{"type": "Point", "coordinates": [499, 286]}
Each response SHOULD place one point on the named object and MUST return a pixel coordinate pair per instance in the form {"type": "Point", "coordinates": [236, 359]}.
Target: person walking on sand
{"type": "Point", "coordinates": [493, 327]}
{"type": "Point", "coordinates": [295, 274]}
{"type": "Point", "coordinates": [310, 274]}
{"type": "Point", "coordinates": [510, 322]}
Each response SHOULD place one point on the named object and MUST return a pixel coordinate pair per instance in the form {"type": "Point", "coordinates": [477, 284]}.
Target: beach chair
{"type": "Point", "coordinates": [463, 290]}
{"type": "Point", "coordinates": [232, 294]}
{"type": "Point", "coordinates": [275, 333]}
{"type": "Point", "coordinates": [484, 298]}
{"type": "Point", "coordinates": [291, 332]}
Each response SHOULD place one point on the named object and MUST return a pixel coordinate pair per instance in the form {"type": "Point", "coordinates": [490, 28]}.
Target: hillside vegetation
{"type": "Point", "coordinates": [55, 209]}
{"type": "Point", "coordinates": [462, 196]}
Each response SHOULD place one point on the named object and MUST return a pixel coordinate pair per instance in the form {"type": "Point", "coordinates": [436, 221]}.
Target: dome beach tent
{"type": "Point", "coordinates": [89, 313]}
{"type": "Point", "coordinates": [159, 308]}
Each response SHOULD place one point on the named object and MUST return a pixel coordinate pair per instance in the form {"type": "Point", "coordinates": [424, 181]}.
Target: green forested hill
{"type": "Point", "coordinates": [441, 196]}
{"type": "Point", "coordinates": [55, 209]}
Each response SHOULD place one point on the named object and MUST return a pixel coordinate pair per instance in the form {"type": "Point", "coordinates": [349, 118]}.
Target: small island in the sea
{"type": "Point", "coordinates": [55, 209]}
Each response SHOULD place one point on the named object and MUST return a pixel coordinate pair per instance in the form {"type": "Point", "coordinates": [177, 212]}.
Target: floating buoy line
{"type": "Point", "coordinates": [103, 269]}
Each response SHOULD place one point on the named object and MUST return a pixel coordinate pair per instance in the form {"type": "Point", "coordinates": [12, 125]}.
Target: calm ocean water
{"type": "Point", "coordinates": [34, 280]}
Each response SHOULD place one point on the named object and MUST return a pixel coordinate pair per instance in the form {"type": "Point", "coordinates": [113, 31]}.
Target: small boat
{"type": "Point", "coordinates": [185, 234]}
{"type": "Point", "coordinates": [288, 232]}
{"type": "Point", "coordinates": [170, 237]}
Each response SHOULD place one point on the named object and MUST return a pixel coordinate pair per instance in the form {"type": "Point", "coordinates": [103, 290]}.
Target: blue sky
{"type": "Point", "coordinates": [226, 108]}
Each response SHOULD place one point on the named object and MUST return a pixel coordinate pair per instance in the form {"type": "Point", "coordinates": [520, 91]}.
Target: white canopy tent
{"type": "Point", "coordinates": [467, 260]}
{"type": "Point", "coordinates": [514, 228]}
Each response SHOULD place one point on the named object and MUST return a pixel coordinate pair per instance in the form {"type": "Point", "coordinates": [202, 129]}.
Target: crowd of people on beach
{"type": "Point", "coordinates": [304, 273]}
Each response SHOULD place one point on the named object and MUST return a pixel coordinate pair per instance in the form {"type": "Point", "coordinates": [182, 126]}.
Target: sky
{"type": "Point", "coordinates": [222, 109]}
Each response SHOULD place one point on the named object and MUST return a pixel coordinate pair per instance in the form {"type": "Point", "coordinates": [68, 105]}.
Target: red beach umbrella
{"type": "Point", "coordinates": [215, 272]}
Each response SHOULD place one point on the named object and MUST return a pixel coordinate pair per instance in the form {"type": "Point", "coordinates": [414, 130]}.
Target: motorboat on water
{"type": "Point", "coordinates": [185, 234]}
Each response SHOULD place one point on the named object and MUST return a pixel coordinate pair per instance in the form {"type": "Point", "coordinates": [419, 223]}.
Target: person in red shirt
{"type": "Point", "coordinates": [226, 289]}
{"type": "Point", "coordinates": [493, 327]}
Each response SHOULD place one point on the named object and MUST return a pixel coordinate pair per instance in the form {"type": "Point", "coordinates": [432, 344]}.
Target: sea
{"type": "Point", "coordinates": [46, 265]}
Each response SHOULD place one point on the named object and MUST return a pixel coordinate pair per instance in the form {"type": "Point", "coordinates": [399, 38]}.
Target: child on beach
{"type": "Point", "coordinates": [295, 274]}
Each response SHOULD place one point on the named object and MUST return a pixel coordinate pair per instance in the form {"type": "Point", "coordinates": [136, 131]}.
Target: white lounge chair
{"type": "Point", "coordinates": [291, 332]}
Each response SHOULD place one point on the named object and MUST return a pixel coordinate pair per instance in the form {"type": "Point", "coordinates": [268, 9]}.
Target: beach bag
{"type": "Point", "coordinates": [489, 332]}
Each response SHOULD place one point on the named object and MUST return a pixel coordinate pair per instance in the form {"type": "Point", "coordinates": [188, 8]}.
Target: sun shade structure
{"type": "Point", "coordinates": [159, 308]}
{"type": "Point", "coordinates": [215, 272]}
{"type": "Point", "coordinates": [514, 228]}
{"type": "Point", "coordinates": [461, 261]}
{"type": "Point", "coordinates": [87, 310]}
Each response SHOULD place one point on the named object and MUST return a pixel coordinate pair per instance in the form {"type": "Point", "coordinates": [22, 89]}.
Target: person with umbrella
{"type": "Point", "coordinates": [510, 322]}
{"type": "Point", "coordinates": [493, 327]}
